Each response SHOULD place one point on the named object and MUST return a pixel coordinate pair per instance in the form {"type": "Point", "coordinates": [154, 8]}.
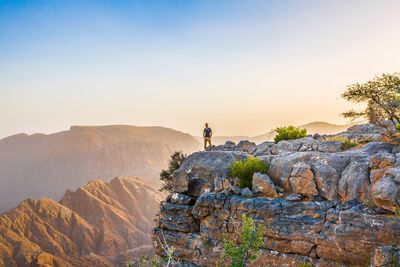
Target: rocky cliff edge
{"type": "Point", "coordinates": [317, 203]}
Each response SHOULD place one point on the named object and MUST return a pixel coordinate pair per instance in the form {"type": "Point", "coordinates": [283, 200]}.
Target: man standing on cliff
{"type": "Point", "coordinates": [207, 134]}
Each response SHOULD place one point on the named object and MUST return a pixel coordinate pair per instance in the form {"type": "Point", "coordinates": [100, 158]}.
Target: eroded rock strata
{"type": "Point", "coordinates": [317, 203]}
{"type": "Point", "coordinates": [95, 225]}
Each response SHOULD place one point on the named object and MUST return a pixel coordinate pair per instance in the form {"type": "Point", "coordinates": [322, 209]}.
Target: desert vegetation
{"type": "Point", "coordinates": [289, 133]}
{"type": "Point", "coordinates": [381, 96]}
{"type": "Point", "coordinates": [238, 255]}
{"type": "Point", "coordinates": [244, 170]}
{"type": "Point", "coordinates": [174, 163]}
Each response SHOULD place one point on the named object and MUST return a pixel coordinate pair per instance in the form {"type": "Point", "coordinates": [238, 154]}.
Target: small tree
{"type": "Point", "coordinates": [289, 133]}
{"type": "Point", "coordinates": [382, 96]}
{"type": "Point", "coordinates": [239, 254]}
{"type": "Point", "coordinates": [166, 176]}
{"type": "Point", "coordinates": [244, 170]}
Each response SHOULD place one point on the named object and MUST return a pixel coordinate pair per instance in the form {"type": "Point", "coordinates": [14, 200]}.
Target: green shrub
{"type": "Point", "coordinates": [398, 127]}
{"type": "Point", "coordinates": [289, 133]}
{"type": "Point", "coordinates": [348, 144]}
{"type": "Point", "coordinates": [393, 261]}
{"type": "Point", "coordinates": [305, 264]}
{"type": "Point", "coordinates": [166, 176]}
{"type": "Point", "coordinates": [237, 255]}
{"type": "Point", "coordinates": [244, 170]}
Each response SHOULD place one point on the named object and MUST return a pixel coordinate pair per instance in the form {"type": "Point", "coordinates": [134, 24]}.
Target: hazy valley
{"type": "Point", "coordinates": [38, 165]}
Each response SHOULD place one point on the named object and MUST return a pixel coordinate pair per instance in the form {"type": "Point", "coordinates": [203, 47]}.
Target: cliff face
{"type": "Point", "coordinates": [86, 228]}
{"type": "Point", "coordinates": [317, 203]}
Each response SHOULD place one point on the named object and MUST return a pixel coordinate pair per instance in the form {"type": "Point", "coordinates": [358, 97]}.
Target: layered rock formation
{"type": "Point", "coordinates": [317, 204]}
{"type": "Point", "coordinates": [33, 166]}
{"type": "Point", "coordinates": [88, 227]}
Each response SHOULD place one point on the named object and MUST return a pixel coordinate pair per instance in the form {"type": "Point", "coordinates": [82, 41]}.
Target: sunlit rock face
{"type": "Point", "coordinates": [88, 227]}
{"type": "Point", "coordinates": [317, 202]}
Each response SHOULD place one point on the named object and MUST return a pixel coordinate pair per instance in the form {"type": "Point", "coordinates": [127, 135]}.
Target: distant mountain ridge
{"type": "Point", "coordinates": [87, 227]}
{"type": "Point", "coordinates": [33, 166]}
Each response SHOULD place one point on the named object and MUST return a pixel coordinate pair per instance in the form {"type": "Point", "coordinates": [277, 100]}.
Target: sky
{"type": "Point", "coordinates": [244, 66]}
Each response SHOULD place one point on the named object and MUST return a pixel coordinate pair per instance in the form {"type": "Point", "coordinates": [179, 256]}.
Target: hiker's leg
{"type": "Point", "coordinates": [209, 141]}
{"type": "Point", "coordinates": [205, 143]}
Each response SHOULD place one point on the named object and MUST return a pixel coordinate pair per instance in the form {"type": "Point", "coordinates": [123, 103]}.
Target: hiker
{"type": "Point", "coordinates": [207, 134]}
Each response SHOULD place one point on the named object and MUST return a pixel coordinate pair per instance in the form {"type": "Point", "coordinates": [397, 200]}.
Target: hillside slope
{"type": "Point", "coordinates": [86, 228]}
{"type": "Point", "coordinates": [32, 166]}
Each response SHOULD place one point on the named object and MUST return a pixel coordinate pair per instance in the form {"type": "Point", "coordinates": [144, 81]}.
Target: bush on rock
{"type": "Point", "coordinates": [166, 176]}
{"type": "Point", "coordinates": [289, 133]}
{"type": "Point", "coordinates": [244, 170]}
{"type": "Point", "coordinates": [238, 255]}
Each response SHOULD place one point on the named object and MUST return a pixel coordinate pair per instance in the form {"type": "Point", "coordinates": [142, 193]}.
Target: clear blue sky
{"type": "Point", "coordinates": [243, 66]}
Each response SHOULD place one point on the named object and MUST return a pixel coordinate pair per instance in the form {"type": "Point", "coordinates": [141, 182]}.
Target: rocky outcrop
{"type": "Point", "coordinates": [317, 203]}
{"type": "Point", "coordinates": [198, 172]}
{"type": "Point", "coordinates": [369, 132]}
{"type": "Point", "coordinates": [87, 227]}
{"type": "Point", "coordinates": [263, 185]}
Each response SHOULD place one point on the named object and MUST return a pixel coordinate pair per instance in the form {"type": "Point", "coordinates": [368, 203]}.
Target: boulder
{"type": "Point", "coordinates": [310, 144]}
{"type": "Point", "coordinates": [330, 146]}
{"type": "Point", "coordinates": [373, 148]}
{"type": "Point", "coordinates": [228, 146]}
{"type": "Point", "coordinates": [266, 148]}
{"type": "Point", "coordinates": [386, 193]}
{"type": "Point", "coordinates": [246, 146]}
{"type": "Point", "coordinates": [354, 181]}
{"type": "Point", "coordinates": [365, 133]}
{"type": "Point", "coordinates": [302, 144]}
{"type": "Point", "coordinates": [281, 166]}
{"type": "Point", "coordinates": [327, 169]}
{"type": "Point", "coordinates": [317, 136]}
{"type": "Point", "coordinates": [302, 179]}
{"type": "Point", "coordinates": [200, 169]}
{"type": "Point", "coordinates": [382, 160]}
{"type": "Point", "coordinates": [263, 185]}
{"type": "Point", "coordinates": [246, 192]}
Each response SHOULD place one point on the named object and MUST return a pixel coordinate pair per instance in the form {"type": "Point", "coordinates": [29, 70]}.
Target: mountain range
{"type": "Point", "coordinates": [92, 226]}
{"type": "Point", "coordinates": [33, 166]}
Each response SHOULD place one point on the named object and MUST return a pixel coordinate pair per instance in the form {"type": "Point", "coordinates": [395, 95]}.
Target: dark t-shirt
{"type": "Point", "coordinates": [207, 132]}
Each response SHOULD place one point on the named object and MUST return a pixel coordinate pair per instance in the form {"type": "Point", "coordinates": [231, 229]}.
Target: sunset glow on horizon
{"type": "Point", "coordinates": [245, 67]}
